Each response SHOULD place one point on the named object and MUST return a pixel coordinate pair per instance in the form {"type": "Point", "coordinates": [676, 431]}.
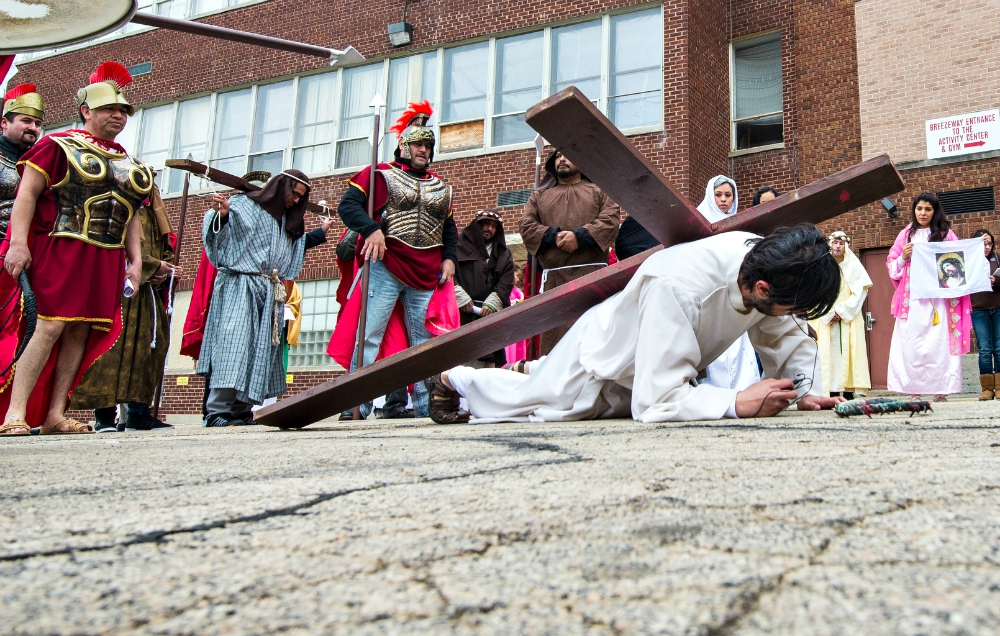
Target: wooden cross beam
{"type": "Point", "coordinates": [229, 180]}
{"type": "Point", "coordinates": [590, 141]}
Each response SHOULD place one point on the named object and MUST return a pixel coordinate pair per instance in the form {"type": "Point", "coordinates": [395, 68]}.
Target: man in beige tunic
{"type": "Point", "coordinates": [569, 224]}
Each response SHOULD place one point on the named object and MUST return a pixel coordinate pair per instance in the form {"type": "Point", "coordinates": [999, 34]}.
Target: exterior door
{"type": "Point", "coordinates": [878, 317]}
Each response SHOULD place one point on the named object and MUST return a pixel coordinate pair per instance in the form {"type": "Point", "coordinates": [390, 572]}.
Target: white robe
{"type": "Point", "coordinates": [737, 367]}
{"type": "Point", "coordinates": [639, 353]}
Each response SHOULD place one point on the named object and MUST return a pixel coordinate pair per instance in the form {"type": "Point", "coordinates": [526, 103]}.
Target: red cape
{"type": "Point", "coordinates": [98, 343]}
{"type": "Point", "coordinates": [197, 316]}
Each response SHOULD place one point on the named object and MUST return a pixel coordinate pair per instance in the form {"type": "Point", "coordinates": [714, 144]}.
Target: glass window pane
{"type": "Point", "coordinates": [315, 116]}
{"type": "Point", "coordinates": [511, 129]}
{"type": "Point", "coordinates": [353, 153]}
{"type": "Point", "coordinates": [154, 140]}
{"type": "Point", "coordinates": [126, 137]}
{"type": "Point", "coordinates": [518, 73]}
{"type": "Point", "coordinates": [410, 79]}
{"type": "Point", "coordinates": [636, 69]}
{"type": "Point", "coordinates": [428, 84]}
{"type": "Point", "coordinates": [360, 86]}
{"type": "Point", "coordinates": [576, 58]}
{"type": "Point", "coordinates": [270, 162]}
{"type": "Point", "coordinates": [757, 79]}
{"type": "Point", "coordinates": [465, 82]}
{"type": "Point", "coordinates": [273, 117]}
{"type": "Point", "coordinates": [231, 129]}
{"type": "Point", "coordinates": [191, 136]}
{"type": "Point", "coordinates": [632, 111]}
{"type": "Point", "coordinates": [171, 8]}
{"type": "Point", "coordinates": [204, 6]}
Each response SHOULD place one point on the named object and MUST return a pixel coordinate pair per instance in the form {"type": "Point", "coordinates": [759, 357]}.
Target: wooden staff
{"type": "Point", "coordinates": [158, 396]}
{"type": "Point", "coordinates": [359, 349]}
{"type": "Point", "coordinates": [534, 343]}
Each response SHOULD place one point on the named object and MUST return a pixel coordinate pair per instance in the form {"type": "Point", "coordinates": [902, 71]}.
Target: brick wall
{"type": "Point", "coordinates": [920, 61]}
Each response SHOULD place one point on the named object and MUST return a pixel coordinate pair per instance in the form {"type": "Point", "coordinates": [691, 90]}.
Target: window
{"type": "Point", "coordinates": [518, 87]}
{"type": "Point", "coordinates": [315, 121]}
{"type": "Point", "coordinates": [634, 97]}
{"type": "Point", "coordinates": [172, 8]}
{"type": "Point", "coordinates": [190, 136]}
{"type": "Point", "coordinates": [757, 92]}
{"type": "Point", "coordinates": [576, 58]}
{"type": "Point", "coordinates": [271, 127]}
{"type": "Point", "coordinates": [356, 117]}
{"type": "Point", "coordinates": [319, 317]}
{"type": "Point", "coordinates": [231, 126]}
{"type": "Point", "coordinates": [480, 93]}
{"type": "Point", "coordinates": [154, 138]}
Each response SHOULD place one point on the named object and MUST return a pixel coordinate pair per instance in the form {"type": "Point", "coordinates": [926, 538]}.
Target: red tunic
{"type": "Point", "coordinates": [201, 301]}
{"type": "Point", "coordinates": [73, 280]}
{"type": "Point", "coordinates": [411, 266]}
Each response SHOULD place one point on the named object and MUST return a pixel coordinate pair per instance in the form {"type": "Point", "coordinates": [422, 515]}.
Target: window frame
{"type": "Point", "coordinates": [745, 42]}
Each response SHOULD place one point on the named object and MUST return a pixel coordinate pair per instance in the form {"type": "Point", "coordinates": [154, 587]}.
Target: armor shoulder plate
{"type": "Point", "coordinates": [9, 179]}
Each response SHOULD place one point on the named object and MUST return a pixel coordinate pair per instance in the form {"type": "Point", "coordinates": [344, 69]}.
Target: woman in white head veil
{"type": "Point", "coordinates": [709, 207]}
{"type": "Point", "coordinates": [737, 367]}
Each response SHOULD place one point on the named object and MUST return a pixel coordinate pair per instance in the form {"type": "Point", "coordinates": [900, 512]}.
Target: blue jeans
{"type": "Point", "coordinates": [986, 322]}
{"type": "Point", "coordinates": [384, 290]}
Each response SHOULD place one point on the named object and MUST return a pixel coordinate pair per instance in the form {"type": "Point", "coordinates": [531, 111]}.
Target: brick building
{"type": "Point", "coordinates": [775, 92]}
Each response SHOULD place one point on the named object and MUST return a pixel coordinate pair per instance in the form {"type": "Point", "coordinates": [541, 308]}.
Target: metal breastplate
{"type": "Point", "coordinates": [101, 191]}
{"type": "Point", "coordinates": [416, 209]}
{"type": "Point", "coordinates": [8, 188]}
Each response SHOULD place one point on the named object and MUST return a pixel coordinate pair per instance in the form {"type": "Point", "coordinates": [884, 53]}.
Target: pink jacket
{"type": "Point", "coordinates": [959, 309]}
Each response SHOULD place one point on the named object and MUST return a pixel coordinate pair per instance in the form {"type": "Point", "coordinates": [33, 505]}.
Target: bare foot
{"type": "Point", "coordinates": [940, 398]}
{"type": "Point", "coordinates": [15, 430]}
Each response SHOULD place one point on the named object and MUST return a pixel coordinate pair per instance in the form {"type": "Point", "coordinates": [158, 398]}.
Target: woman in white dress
{"type": "Point", "coordinates": [930, 335]}
{"type": "Point", "coordinates": [737, 367]}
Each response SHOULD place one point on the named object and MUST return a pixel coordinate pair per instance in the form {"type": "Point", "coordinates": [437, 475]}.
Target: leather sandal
{"type": "Point", "coordinates": [12, 426]}
{"type": "Point", "coordinates": [73, 427]}
{"type": "Point", "coordinates": [444, 404]}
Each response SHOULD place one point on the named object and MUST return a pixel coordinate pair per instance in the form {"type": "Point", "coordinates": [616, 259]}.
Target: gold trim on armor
{"type": "Point", "coordinates": [64, 319]}
{"type": "Point", "coordinates": [86, 221]}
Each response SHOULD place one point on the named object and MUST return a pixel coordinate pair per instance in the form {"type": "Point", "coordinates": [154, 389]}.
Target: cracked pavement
{"type": "Point", "coordinates": [802, 524]}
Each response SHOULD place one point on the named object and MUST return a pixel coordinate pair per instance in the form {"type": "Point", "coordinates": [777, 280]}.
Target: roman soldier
{"type": "Point", "coordinates": [75, 232]}
{"type": "Point", "coordinates": [21, 126]}
{"type": "Point", "coordinates": [411, 242]}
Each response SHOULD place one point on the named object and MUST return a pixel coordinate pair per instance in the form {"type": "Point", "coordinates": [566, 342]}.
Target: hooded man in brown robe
{"type": "Point", "coordinates": [569, 224]}
{"type": "Point", "coordinates": [131, 370]}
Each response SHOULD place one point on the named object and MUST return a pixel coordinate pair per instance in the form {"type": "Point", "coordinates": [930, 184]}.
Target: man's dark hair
{"type": "Point", "coordinates": [954, 261]}
{"type": "Point", "coordinates": [797, 265]}
{"type": "Point", "coordinates": [760, 193]}
{"type": "Point", "coordinates": [939, 224]}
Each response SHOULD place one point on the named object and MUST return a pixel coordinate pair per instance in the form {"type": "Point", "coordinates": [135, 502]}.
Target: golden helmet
{"type": "Point", "coordinates": [24, 100]}
{"type": "Point", "coordinates": [105, 87]}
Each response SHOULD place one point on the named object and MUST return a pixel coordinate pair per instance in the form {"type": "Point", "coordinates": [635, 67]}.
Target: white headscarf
{"type": "Point", "coordinates": [709, 209]}
{"type": "Point", "coordinates": [853, 271]}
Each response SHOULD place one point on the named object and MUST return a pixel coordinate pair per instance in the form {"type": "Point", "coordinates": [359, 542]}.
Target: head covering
{"type": "Point", "coordinates": [105, 88]}
{"type": "Point", "coordinates": [411, 127]}
{"type": "Point", "coordinates": [272, 198]}
{"type": "Point", "coordinates": [551, 179]}
{"type": "Point", "coordinates": [472, 245]}
{"type": "Point", "coordinates": [709, 209]}
{"type": "Point", "coordinates": [23, 100]}
{"type": "Point", "coordinates": [851, 269]}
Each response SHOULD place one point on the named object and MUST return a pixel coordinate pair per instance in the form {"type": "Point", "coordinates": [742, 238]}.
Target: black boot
{"type": "Point", "coordinates": [105, 420]}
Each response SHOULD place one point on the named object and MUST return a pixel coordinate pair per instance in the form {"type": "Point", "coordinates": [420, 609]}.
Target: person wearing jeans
{"type": "Point", "coordinates": [986, 323]}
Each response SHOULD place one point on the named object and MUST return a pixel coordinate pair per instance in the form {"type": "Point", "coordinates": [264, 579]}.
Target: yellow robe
{"type": "Point", "coordinates": [842, 349]}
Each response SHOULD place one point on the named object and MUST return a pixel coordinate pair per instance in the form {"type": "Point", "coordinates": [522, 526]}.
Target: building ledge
{"type": "Point", "coordinates": [755, 150]}
{"type": "Point", "coordinates": [930, 163]}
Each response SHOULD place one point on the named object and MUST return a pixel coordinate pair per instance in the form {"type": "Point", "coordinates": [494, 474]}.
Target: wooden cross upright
{"type": "Point", "coordinates": [571, 123]}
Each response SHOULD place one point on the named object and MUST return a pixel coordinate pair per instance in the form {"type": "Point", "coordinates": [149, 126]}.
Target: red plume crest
{"type": "Point", "coordinates": [413, 109]}
{"type": "Point", "coordinates": [111, 72]}
{"type": "Point", "coordinates": [17, 91]}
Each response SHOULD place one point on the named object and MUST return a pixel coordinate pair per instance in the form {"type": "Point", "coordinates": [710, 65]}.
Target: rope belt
{"type": "Point", "coordinates": [545, 272]}
{"type": "Point", "coordinates": [279, 300]}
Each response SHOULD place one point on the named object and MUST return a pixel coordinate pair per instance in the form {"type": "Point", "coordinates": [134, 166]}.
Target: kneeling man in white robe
{"type": "Point", "coordinates": [642, 352]}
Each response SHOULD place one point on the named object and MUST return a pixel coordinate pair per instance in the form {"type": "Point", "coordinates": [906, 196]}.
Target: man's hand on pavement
{"type": "Point", "coordinates": [765, 398]}
{"type": "Point", "coordinates": [18, 258]}
{"type": "Point", "coordinates": [374, 248]}
{"type": "Point", "coordinates": [816, 402]}
{"type": "Point", "coordinates": [566, 241]}
{"type": "Point", "coordinates": [447, 271]}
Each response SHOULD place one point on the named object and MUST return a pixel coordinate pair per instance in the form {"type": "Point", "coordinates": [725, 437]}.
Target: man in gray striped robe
{"type": "Point", "coordinates": [256, 242]}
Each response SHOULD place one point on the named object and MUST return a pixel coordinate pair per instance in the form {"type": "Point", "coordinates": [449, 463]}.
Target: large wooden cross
{"type": "Point", "coordinates": [570, 122]}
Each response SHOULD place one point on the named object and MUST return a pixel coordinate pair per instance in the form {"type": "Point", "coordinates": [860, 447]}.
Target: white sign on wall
{"type": "Point", "coordinates": [963, 134]}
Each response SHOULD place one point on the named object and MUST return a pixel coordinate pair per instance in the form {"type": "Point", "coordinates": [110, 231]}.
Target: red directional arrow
{"type": "Point", "coordinates": [975, 143]}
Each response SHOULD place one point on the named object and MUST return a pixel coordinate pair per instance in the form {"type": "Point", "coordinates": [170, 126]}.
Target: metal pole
{"type": "Point", "coordinates": [348, 55]}
{"type": "Point", "coordinates": [158, 397]}
{"type": "Point", "coordinates": [359, 349]}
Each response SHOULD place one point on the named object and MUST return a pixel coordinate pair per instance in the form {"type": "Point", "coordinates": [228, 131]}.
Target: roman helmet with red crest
{"type": "Point", "coordinates": [411, 127]}
{"type": "Point", "coordinates": [105, 88]}
{"type": "Point", "coordinates": [23, 100]}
